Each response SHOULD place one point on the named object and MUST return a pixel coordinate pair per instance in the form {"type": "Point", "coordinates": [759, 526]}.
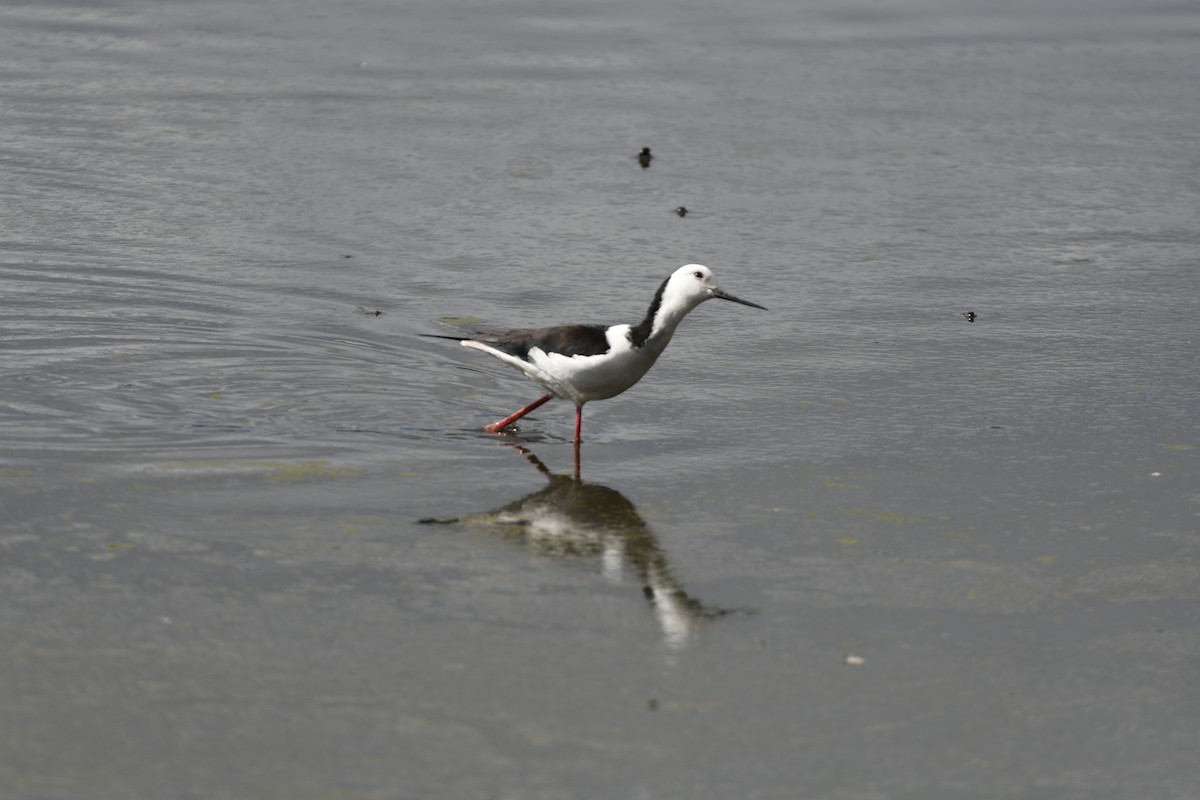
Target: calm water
{"type": "Point", "coordinates": [254, 545]}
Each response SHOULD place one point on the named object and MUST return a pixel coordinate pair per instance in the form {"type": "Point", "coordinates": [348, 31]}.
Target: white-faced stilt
{"type": "Point", "coordinates": [581, 363]}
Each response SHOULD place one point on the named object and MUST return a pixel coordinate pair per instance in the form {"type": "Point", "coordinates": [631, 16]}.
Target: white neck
{"type": "Point", "coordinates": [672, 311]}
{"type": "Point", "coordinates": [670, 305]}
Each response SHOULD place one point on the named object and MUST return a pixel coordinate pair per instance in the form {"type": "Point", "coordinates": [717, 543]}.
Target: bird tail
{"type": "Point", "coordinates": [442, 336]}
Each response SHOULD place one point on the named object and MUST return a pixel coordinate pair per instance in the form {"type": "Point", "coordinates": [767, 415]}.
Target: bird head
{"type": "Point", "coordinates": [692, 284]}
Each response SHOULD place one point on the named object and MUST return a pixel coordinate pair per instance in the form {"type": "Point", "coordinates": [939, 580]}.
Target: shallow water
{"type": "Point", "coordinates": [254, 544]}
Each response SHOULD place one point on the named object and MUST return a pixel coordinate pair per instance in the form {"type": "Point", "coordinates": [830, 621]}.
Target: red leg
{"type": "Point", "coordinates": [495, 427]}
{"type": "Point", "coordinates": [578, 422]}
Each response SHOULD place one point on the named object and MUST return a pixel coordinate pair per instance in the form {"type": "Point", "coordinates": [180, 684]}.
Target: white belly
{"type": "Point", "coordinates": [584, 378]}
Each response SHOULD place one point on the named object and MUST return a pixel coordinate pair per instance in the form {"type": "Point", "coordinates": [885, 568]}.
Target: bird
{"type": "Point", "coordinates": [644, 157]}
{"type": "Point", "coordinates": [582, 363]}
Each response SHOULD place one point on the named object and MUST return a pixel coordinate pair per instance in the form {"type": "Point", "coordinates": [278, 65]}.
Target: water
{"type": "Point", "coordinates": [253, 543]}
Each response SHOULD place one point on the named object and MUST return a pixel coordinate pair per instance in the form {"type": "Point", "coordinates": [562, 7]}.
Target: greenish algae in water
{"type": "Point", "coordinates": [274, 471]}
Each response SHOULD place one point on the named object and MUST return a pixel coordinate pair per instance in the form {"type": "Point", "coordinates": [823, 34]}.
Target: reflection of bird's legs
{"type": "Point", "coordinates": [533, 459]}
{"type": "Point", "coordinates": [542, 468]}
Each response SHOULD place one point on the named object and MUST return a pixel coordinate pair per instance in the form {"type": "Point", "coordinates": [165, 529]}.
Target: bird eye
{"type": "Point", "coordinates": [699, 275]}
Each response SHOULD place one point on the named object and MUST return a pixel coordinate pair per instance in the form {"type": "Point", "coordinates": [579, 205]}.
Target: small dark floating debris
{"type": "Point", "coordinates": [652, 704]}
{"type": "Point", "coordinates": [644, 157]}
{"type": "Point", "coordinates": [970, 315]}
{"type": "Point", "coordinates": [681, 211]}
{"type": "Point", "coordinates": [367, 312]}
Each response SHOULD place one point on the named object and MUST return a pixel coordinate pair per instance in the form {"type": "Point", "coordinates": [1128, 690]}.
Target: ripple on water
{"type": "Point", "coordinates": [106, 357]}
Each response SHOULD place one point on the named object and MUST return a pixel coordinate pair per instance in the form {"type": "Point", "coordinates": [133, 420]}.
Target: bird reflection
{"type": "Point", "coordinates": [572, 518]}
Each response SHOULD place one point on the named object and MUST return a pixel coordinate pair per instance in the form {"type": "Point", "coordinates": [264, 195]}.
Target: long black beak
{"type": "Point", "coordinates": [723, 295]}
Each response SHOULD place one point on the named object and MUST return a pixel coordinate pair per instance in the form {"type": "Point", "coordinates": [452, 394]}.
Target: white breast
{"type": "Point", "coordinates": [584, 378]}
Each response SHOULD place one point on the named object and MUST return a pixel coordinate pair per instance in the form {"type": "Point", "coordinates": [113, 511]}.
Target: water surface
{"type": "Point", "coordinates": [254, 544]}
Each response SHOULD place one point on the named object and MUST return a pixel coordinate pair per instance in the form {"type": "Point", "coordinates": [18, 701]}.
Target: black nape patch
{"type": "Point", "coordinates": [639, 333]}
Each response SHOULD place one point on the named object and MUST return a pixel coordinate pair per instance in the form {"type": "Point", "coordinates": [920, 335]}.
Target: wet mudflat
{"type": "Point", "coordinates": [254, 544]}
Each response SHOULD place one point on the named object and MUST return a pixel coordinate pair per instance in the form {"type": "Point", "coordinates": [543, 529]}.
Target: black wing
{"type": "Point", "coordinates": [570, 340]}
